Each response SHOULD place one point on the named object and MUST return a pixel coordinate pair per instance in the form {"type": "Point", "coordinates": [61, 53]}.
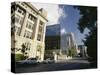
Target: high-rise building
{"type": "Point", "coordinates": [82, 50]}
{"type": "Point", "coordinates": [71, 43]}
{"type": "Point", "coordinates": [52, 40]}
{"type": "Point", "coordinates": [28, 26]}
{"type": "Point", "coordinates": [68, 41]}
{"type": "Point", "coordinates": [52, 37]}
{"type": "Point", "coordinates": [58, 42]}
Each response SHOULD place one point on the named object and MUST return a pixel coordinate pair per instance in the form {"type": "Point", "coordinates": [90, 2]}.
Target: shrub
{"type": "Point", "coordinates": [19, 57]}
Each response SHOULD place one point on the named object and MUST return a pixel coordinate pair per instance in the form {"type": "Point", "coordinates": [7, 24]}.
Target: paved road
{"type": "Point", "coordinates": [69, 65]}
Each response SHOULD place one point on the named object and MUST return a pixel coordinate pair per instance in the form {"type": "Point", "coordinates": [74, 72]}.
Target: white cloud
{"type": "Point", "coordinates": [62, 12]}
{"type": "Point", "coordinates": [53, 10]}
{"type": "Point", "coordinates": [63, 31]}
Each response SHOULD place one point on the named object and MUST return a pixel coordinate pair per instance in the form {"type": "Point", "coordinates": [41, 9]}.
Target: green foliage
{"type": "Point", "coordinates": [72, 52]}
{"type": "Point", "coordinates": [88, 17]}
{"type": "Point", "coordinates": [88, 20]}
{"type": "Point", "coordinates": [91, 43]}
{"type": "Point", "coordinates": [19, 57]}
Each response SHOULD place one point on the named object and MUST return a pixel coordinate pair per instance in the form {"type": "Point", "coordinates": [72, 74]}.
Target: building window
{"type": "Point", "coordinates": [31, 17]}
{"type": "Point", "coordinates": [18, 19]}
{"type": "Point", "coordinates": [20, 10]}
{"type": "Point", "coordinates": [41, 23]}
{"type": "Point", "coordinates": [15, 30]}
{"type": "Point", "coordinates": [39, 47]}
{"type": "Point", "coordinates": [30, 25]}
{"type": "Point", "coordinates": [21, 21]}
{"type": "Point", "coordinates": [41, 27]}
{"type": "Point", "coordinates": [39, 37]}
{"type": "Point", "coordinates": [18, 31]}
{"type": "Point", "coordinates": [40, 31]}
{"type": "Point", "coordinates": [28, 45]}
{"type": "Point", "coordinates": [28, 34]}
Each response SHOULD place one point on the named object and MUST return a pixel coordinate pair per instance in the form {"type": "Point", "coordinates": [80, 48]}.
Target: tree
{"type": "Point", "coordinates": [91, 43]}
{"type": "Point", "coordinates": [23, 49]}
{"type": "Point", "coordinates": [88, 20]}
{"type": "Point", "coordinates": [72, 52]}
{"type": "Point", "coordinates": [69, 53]}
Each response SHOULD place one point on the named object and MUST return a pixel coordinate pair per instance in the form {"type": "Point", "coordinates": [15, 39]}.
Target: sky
{"type": "Point", "coordinates": [69, 23]}
{"type": "Point", "coordinates": [66, 16]}
{"type": "Point", "coordinates": [54, 12]}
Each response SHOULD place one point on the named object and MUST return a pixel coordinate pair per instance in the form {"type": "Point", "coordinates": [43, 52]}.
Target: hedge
{"type": "Point", "coordinates": [19, 57]}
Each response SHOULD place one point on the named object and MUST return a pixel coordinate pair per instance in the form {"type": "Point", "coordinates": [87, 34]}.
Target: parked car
{"type": "Point", "coordinates": [28, 61]}
{"type": "Point", "coordinates": [48, 61]}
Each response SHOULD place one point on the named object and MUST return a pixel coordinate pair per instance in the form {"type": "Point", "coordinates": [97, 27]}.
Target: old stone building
{"type": "Point", "coordinates": [28, 26]}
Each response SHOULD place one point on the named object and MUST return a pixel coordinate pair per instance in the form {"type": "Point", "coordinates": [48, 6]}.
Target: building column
{"type": "Point", "coordinates": [44, 32]}
{"type": "Point", "coordinates": [24, 24]}
{"type": "Point", "coordinates": [36, 29]}
{"type": "Point", "coordinates": [43, 40]}
{"type": "Point", "coordinates": [36, 35]}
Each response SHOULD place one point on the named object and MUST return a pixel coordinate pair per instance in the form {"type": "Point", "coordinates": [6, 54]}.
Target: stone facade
{"type": "Point", "coordinates": [28, 26]}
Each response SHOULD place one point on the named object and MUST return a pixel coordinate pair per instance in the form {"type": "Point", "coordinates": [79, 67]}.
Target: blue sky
{"type": "Point", "coordinates": [66, 16]}
{"type": "Point", "coordinates": [69, 22]}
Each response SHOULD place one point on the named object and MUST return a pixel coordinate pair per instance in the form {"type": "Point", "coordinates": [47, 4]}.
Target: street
{"type": "Point", "coordinates": [68, 65]}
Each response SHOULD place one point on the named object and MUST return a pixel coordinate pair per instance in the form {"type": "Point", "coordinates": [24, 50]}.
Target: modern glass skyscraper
{"type": "Point", "coordinates": [68, 41]}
